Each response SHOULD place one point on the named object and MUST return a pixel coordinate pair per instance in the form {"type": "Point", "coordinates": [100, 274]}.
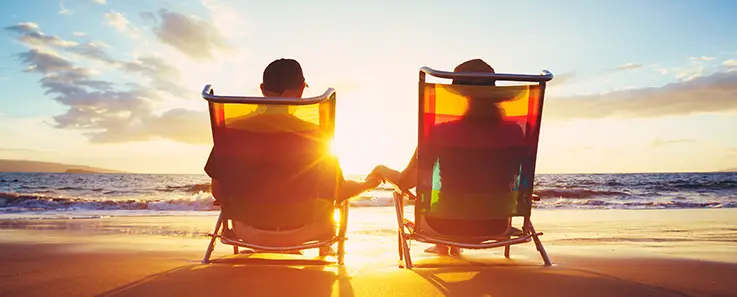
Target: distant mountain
{"type": "Point", "coordinates": [37, 166]}
{"type": "Point", "coordinates": [729, 170]}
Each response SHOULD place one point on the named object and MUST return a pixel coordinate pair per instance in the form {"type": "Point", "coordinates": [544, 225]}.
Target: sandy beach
{"type": "Point", "coordinates": [595, 253]}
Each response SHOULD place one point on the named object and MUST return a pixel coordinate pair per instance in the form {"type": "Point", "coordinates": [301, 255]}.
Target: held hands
{"type": "Point", "coordinates": [375, 178]}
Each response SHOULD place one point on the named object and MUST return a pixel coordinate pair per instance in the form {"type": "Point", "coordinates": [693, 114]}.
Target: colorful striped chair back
{"type": "Point", "coordinates": [273, 157]}
{"type": "Point", "coordinates": [477, 147]}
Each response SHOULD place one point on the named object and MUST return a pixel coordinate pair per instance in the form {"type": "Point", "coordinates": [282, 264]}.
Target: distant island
{"type": "Point", "coordinates": [37, 166]}
{"type": "Point", "coordinates": [729, 170]}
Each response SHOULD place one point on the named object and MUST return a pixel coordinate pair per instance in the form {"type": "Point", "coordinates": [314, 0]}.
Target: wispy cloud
{"type": "Point", "coordinates": [661, 143]}
{"type": "Point", "coordinates": [660, 69]}
{"type": "Point", "coordinates": [20, 150]}
{"type": "Point", "coordinates": [626, 67]}
{"type": "Point", "coordinates": [191, 36]}
{"type": "Point", "coordinates": [2, 78]}
{"type": "Point", "coordinates": [687, 74]}
{"type": "Point", "coordinates": [702, 58]}
{"type": "Point", "coordinates": [118, 21]}
{"type": "Point", "coordinates": [563, 78]}
{"type": "Point", "coordinates": [712, 93]}
{"type": "Point", "coordinates": [64, 10]}
{"type": "Point", "coordinates": [225, 18]}
{"type": "Point", "coordinates": [79, 34]}
{"type": "Point", "coordinates": [106, 111]}
{"type": "Point", "coordinates": [730, 63]}
{"type": "Point", "coordinates": [30, 34]}
{"type": "Point", "coordinates": [101, 2]}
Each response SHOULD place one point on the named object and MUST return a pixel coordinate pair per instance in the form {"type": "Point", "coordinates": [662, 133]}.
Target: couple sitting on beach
{"type": "Point", "coordinates": [284, 78]}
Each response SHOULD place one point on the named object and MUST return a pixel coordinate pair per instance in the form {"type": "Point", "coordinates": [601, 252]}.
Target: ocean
{"type": "Point", "coordinates": [68, 195]}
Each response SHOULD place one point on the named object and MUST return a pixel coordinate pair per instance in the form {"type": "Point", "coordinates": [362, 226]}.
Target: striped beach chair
{"type": "Point", "coordinates": [470, 173]}
{"type": "Point", "coordinates": [275, 173]}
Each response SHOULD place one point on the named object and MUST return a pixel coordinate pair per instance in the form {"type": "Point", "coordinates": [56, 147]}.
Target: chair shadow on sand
{"type": "Point", "coordinates": [438, 276]}
{"type": "Point", "coordinates": [501, 277]}
{"type": "Point", "coordinates": [244, 276]}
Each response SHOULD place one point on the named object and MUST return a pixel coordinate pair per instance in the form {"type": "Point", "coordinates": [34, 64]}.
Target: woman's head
{"type": "Point", "coordinates": [479, 107]}
{"type": "Point", "coordinates": [475, 65]}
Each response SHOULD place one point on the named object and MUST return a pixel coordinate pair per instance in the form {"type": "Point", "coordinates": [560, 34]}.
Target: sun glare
{"type": "Point", "coordinates": [336, 216]}
{"type": "Point", "coordinates": [332, 148]}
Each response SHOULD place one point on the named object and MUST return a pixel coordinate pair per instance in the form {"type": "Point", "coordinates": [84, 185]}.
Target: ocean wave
{"type": "Point", "coordinates": [708, 185]}
{"type": "Point", "coordinates": [202, 201]}
{"type": "Point", "coordinates": [14, 202]}
{"type": "Point", "coordinates": [375, 201]}
{"type": "Point", "coordinates": [615, 204]}
{"type": "Point", "coordinates": [578, 193]}
{"type": "Point", "coordinates": [191, 188]}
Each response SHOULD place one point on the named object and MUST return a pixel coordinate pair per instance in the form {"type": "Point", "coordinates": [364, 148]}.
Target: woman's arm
{"type": "Point", "coordinates": [408, 176]}
{"type": "Point", "coordinates": [405, 180]}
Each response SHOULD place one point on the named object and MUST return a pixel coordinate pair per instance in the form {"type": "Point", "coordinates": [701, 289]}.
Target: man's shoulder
{"type": "Point", "coordinates": [274, 122]}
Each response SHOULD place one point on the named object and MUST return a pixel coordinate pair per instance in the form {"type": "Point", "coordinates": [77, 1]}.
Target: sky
{"type": "Point", "coordinates": [640, 86]}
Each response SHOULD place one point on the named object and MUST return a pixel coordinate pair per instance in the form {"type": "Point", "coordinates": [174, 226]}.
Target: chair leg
{"type": "Point", "coordinates": [213, 239]}
{"type": "Point", "coordinates": [539, 245]}
{"type": "Point", "coordinates": [399, 247]}
{"type": "Point", "coordinates": [235, 250]}
{"type": "Point", "coordinates": [403, 246]}
{"type": "Point", "coordinates": [405, 250]}
{"type": "Point", "coordinates": [506, 251]}
{"type": "Point", "coordinates": [342, 232]}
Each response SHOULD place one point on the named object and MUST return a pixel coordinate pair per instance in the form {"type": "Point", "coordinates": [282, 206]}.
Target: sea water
{"type": "Point", "coordinates": [43, 195]}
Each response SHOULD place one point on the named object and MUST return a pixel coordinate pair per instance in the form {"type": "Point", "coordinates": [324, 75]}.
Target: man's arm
{"type": "Point", "coordinates": [350, 189]}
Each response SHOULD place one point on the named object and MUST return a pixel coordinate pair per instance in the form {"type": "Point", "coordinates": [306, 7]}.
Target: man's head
{"type": "Point", "coordinates": [283, 78]}
{"type": "Point", "coordinates": [475, 65]}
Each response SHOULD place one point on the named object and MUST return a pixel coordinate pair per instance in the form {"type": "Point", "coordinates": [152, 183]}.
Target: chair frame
{"type": "Point", "coordinates": [406, 228]}
{"type": "Point", "coordinates": [223, 223]}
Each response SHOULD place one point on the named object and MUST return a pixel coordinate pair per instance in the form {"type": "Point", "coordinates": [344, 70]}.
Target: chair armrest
{"type": "Point", "coordinates": [403, 192]}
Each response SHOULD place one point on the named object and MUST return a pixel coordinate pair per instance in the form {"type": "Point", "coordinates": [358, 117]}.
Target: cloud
{"type": "Point", "coordinates": [191, 36]}
{"type": "Point", "coordinates": [44, 62]}
{"type": "Point", "coordinates": [687, 74]}
{"type": "Point", "coordinates": [661, 143]}
{"type": "Point", "coordinates": [30, 34]}
{"type": "Point", "coordinates": [712, 93]}
{"type": "Point", "coordinates": [79, 34]}
{"type": "Point", "coordinates": [226, 19]}
{"type": "Point", "coordinates": [23, 27]}
{"type": "Point", "coordinates": [121, 23]}
{"type": "Point", "coordinates": [20, 150]}
{"type": "Point", "coordinates": [625, 67]}
{"type": "Point", "coordinates": [108, 112]}
{"type": "Point", "coordinates": [64, 10]}
{"type": "Point", "coordinates": [93, 50]}
{"type": "Point", "coordinates": [101, 2]}
{"type": "Point", "coordinates": [702, 58]}
{"type": "Point", "coordinates": [730, 63]}
{"type": "Point", "coordinates": [658, 68]}
{"type": "Point", "coordinates": [161, 75]}
{"type": "Point", "coordinates": [563, 78]}
{"type": "Point", "coordinates": [2, 78]}
{"type": "Point", "coordinates": [116, 20]}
